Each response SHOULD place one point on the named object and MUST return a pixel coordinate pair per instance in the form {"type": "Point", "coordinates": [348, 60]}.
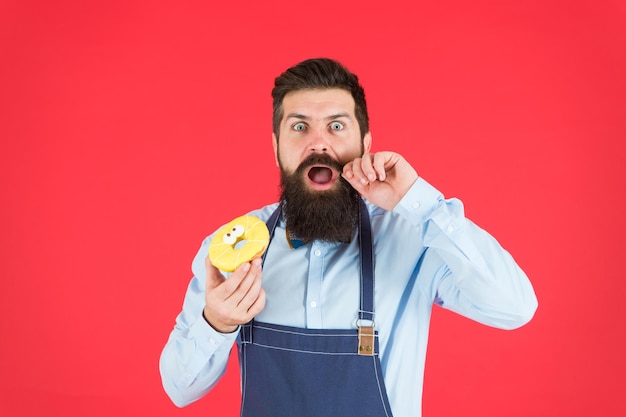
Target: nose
{"type": "Point", "coordinates": [319, 148]}
{"type": "Point", "coordinates": [318, 142]}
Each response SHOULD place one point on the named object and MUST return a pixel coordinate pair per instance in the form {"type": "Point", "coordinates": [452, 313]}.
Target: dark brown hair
{"type": "Point", "coordinates": [322, 73]}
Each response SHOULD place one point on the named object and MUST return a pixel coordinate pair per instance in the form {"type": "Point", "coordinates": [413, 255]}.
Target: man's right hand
{"type": "Point", "coordinates": [236, 300]}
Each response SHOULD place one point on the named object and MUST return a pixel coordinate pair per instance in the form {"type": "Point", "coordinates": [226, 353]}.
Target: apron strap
{"type": "Point", "coordinates": [367, 265]}
{"type": "Point", "coordinates": [271, 223]}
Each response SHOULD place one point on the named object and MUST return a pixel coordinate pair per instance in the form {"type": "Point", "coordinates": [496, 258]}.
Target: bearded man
{"type": "Point", "coordinates": [334, 320]}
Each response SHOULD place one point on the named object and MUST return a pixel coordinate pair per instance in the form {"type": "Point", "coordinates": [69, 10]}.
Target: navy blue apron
{"type": "Point", "coordinates": [294, 372]}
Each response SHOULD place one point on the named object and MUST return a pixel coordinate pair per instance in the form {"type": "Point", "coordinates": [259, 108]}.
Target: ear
{"type": "Point", "coordinates": [367, 142]}
{"type": "Point", "coordinates": [275, 146]}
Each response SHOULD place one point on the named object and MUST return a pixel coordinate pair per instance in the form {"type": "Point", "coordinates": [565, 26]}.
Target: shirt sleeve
{"type": "Point", "coordinates": [478, 278]}
{"type": "Point", "coordinates": [196, 355]}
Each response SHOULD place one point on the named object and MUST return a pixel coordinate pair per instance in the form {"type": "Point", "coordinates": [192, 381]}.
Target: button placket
{"type": "Point", "coordinates": [314, 287]}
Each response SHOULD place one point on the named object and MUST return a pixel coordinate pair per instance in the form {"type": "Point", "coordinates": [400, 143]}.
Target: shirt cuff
{"type": "Point", "coordinates": [419, 202]}
{"type": "Point", "coordinates": [210, 340]}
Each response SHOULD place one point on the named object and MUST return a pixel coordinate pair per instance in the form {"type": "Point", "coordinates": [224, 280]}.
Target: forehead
{"type": "Point", "coordinates": [318, 102]}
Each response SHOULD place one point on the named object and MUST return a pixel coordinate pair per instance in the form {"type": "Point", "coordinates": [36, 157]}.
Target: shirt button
{"type": "Point", "coordinates": [415, 204]}
{"type": "Point", "coordinates": [212, 342]}
{"type": "Point", "coordinates": [317, 252]}
{"type": "Point", "coordinates": [450, 229]}
{"type": "Point", "coordinates": [313, 304]}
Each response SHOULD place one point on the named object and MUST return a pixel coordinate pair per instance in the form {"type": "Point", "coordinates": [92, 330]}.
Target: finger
{"type": "Point", "coordinates": [234, 281]}
{"type": "Point", "coordinates": [380, 162]}
{"type": "Point", "coordinates": [367, 167]}
{"type": "Point", "coordinates": [349, 175]}
{"type": "Point", "coordinates": [249, 285]}
{"type": "Point", "coordinates": [245, 314]}
{"type": "Point", "coordinates": [255, 280]}
{"type": "Point", "coordinates": [357, 169]}
{"type": "Point", "coordinates": [252, 293]}
{"type": "Point", "coordinates": [347, 172]}
{"type": "Point", "coordinates": [258, 305]}
{"type": "Point", "coordinates": [253, 301]}
{"type": "Point", "coordinates": [225, 289]}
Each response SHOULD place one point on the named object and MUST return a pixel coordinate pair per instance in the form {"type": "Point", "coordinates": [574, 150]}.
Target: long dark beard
{"type": "Point", "coordinates": [328, 215]}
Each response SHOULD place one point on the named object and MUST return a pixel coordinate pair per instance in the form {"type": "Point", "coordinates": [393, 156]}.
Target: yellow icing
{"type": "Point", "coordinates": [224, 255]}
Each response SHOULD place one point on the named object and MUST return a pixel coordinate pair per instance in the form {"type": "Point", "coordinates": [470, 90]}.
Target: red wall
{"type": "Point", "coordinates": [131, 129]}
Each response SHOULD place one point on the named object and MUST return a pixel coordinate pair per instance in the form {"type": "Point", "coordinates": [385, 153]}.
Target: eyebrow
{"type": "Point", "coordinates": [331, 117]}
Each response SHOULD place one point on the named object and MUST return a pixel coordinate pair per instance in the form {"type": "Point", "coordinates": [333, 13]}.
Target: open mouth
{"type": "Point", "coordinates": [321, 176]}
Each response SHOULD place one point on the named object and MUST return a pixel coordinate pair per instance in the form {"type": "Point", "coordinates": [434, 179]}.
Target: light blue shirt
{"type": "Point", "coordinates": [426, 252]}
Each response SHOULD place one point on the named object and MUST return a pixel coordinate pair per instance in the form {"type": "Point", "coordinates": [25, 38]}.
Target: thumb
{"type": "Point", "coordinates": [352, 179]}
{"type": "Point", "coordinates": [213, 275]}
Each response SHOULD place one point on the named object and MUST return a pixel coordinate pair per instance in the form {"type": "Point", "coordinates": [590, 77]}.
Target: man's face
{"type": "Point", "coordinates": [319, 121]}
{"type": "Point", "coordinates": [318, 135]}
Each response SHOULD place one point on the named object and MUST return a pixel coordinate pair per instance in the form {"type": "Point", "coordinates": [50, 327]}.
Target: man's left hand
{"type": "Point", "coordinates": [383, 178]}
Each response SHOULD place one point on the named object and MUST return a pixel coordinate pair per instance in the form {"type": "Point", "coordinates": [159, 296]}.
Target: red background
{"type": "Point", "coordinates": [132, 129]}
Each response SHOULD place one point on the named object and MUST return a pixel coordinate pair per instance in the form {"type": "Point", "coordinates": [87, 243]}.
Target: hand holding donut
{"type": "Point", "coordinates": [236, 300]}
{"type": "Point", "coordinates": [383, 178]}
{"type": "Point", "coordinates": [236, 248]}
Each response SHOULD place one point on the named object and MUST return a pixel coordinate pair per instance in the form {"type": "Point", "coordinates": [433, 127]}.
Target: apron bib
{"type": "Point", "coordinates": [293, 372]}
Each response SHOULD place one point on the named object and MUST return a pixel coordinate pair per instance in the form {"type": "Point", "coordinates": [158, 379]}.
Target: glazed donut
{"type": "Point", "coordinates": [249, 232]}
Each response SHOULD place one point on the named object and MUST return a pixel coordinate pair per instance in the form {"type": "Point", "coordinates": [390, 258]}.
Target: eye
{"type": "Point", "coordinates": [230, 239]}
{"type": "Point", "coordinates": [237, 230]}
{"type": "Point", "coordinates": [336, 126]}
{"type": "Point", "coordinates": [299, 126]}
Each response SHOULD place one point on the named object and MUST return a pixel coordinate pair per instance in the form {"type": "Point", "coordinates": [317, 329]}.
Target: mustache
{"type": "Point", "coordinates": [319, 159]}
